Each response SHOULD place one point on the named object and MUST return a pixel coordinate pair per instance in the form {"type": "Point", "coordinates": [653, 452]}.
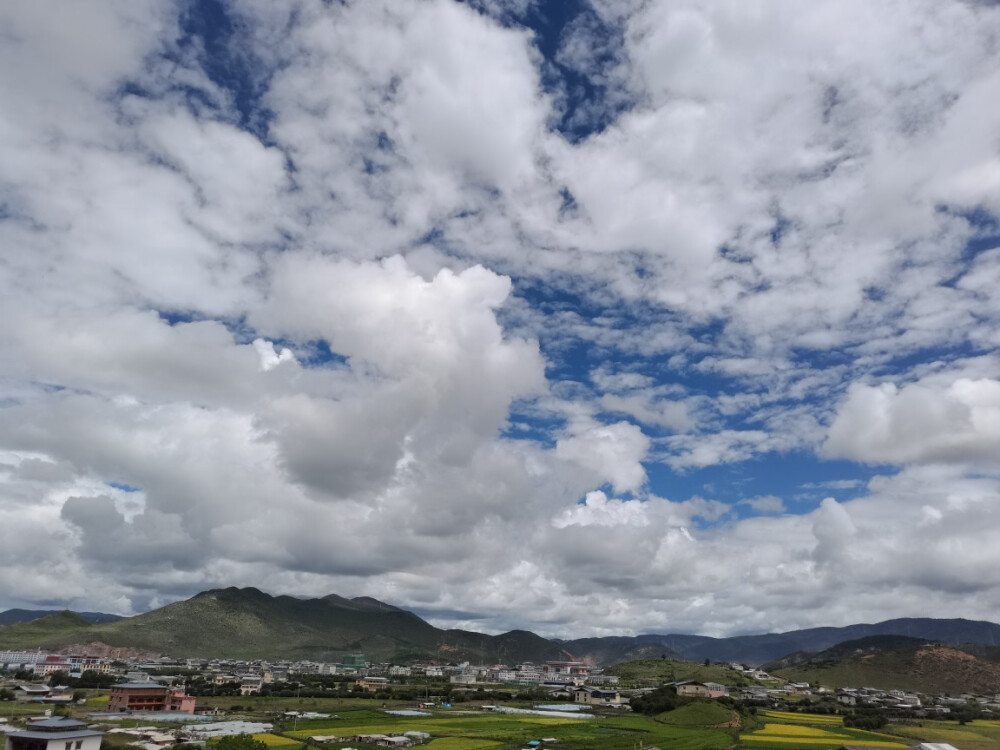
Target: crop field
{"type": "Point", "coordinates": [461, 743]}
{"type": "Point", "coordinates": [274, 741]}
{"type": "Point", "coordinates": [791, 717]}
{"type": "Point", "coordinates": [485, 731]}
{"type": "Point", "coordinates": [785, 735]}
{"type": "Point", "coordinates": [975, 735]}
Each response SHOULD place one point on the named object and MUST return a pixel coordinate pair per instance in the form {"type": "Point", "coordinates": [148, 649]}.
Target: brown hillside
{"type": "Point", "coordinates": [962, 671]}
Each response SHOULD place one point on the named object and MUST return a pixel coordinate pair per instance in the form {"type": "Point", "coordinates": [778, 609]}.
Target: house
{"type": "Point", "coordinates": [29, 693]}
{"type": "Point", "coordinates": [372, 684]}
{"type": "Point", "coordinates": [251, 685]}
{"type": "Point", "coordinates": [597, 697]}
{"type": "Point", "coordinates": [692, 689]}
{"type": "Point", "coordinates": [149, 696]}
{"type": "Point", "coordinates": [57, 733]}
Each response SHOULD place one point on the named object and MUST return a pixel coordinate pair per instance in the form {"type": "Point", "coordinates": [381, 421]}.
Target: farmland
{"type": "Point", "coordinates": [784, 730]}
{"type": "Point", "coordinates": [474, 730]}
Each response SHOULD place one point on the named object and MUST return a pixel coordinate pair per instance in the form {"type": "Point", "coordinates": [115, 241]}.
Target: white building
{"type": "Point", "coordinates": [57, 733]}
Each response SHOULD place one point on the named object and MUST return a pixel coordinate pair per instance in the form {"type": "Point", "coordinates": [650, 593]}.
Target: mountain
{"type": "Point", "coordinates": [758, 649]}
{"type": "Point", "coordinates": [616, 649]}
{"type": "Point", "coordinates": [859, 647]}
{"type": "Point", "coordinates": [14, 616]}
{"type": "Point", "coordinates": [247, 623]}
{"type": "Point", "coordinates": [885, 661]}
{"type": "Point", "coordinates": [43, 631]}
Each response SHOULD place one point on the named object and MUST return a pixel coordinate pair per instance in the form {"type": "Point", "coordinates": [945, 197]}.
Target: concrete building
{"type": "Point", "coordinates": [58, 733]}
{"type": "Point", "coordinates": [371, 684]}
{"type": "Point", "coordinates": [149, 696]}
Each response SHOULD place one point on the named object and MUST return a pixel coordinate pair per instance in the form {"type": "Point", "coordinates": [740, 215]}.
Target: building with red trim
{"type": "Point", "coordinates": [149, 696]}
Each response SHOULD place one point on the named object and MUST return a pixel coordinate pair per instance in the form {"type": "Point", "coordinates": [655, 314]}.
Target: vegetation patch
{"type": "Point", "coordinates": [700, 714]}
{"type": "Point", "coordinates": [790, 717]}
{"type": "Point", "coordinates": [273, 740]}
{"type": "Point", "coordinates": [806, 736]}
{"type": "Point", "coordinates": [469, 731]}
{"type": "Point", "coordinates": [461, 743]}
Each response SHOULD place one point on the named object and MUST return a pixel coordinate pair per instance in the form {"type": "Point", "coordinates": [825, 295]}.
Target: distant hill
{"type": "Point", "coordinates": [247, 623]}
{"type": "Point", "coordinates": [893, 662]}
{"type": "Point", "coordinates": [14, 616]}
{"type": "Point", "coordinates": [859, 647]}
{"type": "Point", "coordinates": [758, 649]}
{"type": "Point", "coordinates": [43, 631]}
{"type": "Point", "coordinates": [616, 649]}
{"type": "Point", "coordinates": [659, 671]}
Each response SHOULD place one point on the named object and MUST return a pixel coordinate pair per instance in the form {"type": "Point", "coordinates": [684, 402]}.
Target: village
{"type": "Point", "coordinates": [163, 702]}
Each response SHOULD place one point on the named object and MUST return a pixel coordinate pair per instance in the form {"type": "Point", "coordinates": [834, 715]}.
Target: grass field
{"type": "Point", "coordinates": [783, 735]}
{"type": "Point", "coordinates": [700, 714]}
{"type": "Point", "coordinates": [975, 735]}
{"type": "Point", "coordinates": [785, 730]}
{"type": "Point", "coordinates": [461, 743]}
{"type": "Point", "coordinates": [484, 731]}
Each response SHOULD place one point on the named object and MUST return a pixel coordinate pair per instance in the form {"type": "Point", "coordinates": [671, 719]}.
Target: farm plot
{"type": "Point", "coordinates": [791, 717]}
{"type": "Point", "coordinates": [501, 731]}
{"type": "Point", "coordinates": [783, 735]}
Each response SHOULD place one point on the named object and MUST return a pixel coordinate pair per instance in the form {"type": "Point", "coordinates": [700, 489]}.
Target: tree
{"type": "Point", "coordinates": [656, 702]}
{"type": "Point", "coordinates": [240, 742]}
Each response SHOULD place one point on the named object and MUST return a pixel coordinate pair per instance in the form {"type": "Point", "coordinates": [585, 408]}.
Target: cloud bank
{"type": "Point", "coordinates": [661, 316]}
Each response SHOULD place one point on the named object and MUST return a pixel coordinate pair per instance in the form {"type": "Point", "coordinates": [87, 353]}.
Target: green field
{"type": "Point", "coordinates": [785, 730]}
{"type": "Point", "coordinates": [784, 736]}
{"type": "Point", "coordinates": [975, 735]}
{"type": "Point", "coordinates": [468, 730]}
{"type": "Point", "coordinates": [701, 714]}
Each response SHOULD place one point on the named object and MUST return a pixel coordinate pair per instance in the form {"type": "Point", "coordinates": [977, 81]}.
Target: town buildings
{"type": "Point", "coordinates": [149, 696]}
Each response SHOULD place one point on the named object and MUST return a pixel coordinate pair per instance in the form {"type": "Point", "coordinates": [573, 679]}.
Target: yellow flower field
{"type": "Point", "coordinates": [793, 730]}
{"type": "Point", "coordinates": [790, 716]}
{"type": "Point", "coordinates": [816, 736]}
{"type": "Point", "coordinates": [811, 741]}
{"type": "Point", "coordinates": [273, 740]}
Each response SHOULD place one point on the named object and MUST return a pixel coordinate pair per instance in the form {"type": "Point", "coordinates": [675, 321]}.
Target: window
{"type": "Point", "coordinates": [79, 744]}
{"type": "Point", "coordinates": [69, 746]}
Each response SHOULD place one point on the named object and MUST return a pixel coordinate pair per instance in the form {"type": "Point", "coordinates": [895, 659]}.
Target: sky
{"type": "Point", "coordinates": [589, 317]}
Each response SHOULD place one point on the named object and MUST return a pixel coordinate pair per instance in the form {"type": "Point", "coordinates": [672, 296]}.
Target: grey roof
{"type": "Point", "coordinates": [137, 685]}
{"type": "Point", "coordinates": [59, 722]}
{"type": "Point", "coordinates": [67, 735]}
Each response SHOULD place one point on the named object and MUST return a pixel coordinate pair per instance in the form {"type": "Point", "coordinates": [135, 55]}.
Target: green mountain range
{"type": "Point", "coordinates": [247, 624]}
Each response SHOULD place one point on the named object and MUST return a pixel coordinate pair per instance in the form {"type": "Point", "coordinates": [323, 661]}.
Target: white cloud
{"type": "Point", "coordinates": [766, 504]}
{"type": "Point", "coordinates": [919, 422]}
{"type": "Point", "coordinates": [782, 205]}
{"type": "Point", "coordinates": [610, 453]}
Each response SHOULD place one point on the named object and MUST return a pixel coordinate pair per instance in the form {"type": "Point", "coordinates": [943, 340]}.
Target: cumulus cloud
{"type": "Point", "coordinates": [395, 272]}
{"type": "Point", "coordinates": [918, 423]}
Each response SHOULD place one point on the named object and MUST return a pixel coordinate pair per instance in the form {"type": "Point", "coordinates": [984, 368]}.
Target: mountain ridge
{"type": "Point", "coordinates": [14, 616]}
{"type": "Point", "coordinates": [892, 661]}
{"type": "Point", "coordinates": [249, 623]}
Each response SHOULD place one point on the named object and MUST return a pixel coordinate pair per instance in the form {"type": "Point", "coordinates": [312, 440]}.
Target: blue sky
{"type": "Point", "coordinates": [590, 317]}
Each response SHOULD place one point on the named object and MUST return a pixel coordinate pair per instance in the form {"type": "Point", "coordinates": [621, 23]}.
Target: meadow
{"type": "Point", "coordinates": [784, 730]}
{"type": "Point", "coordinates": [474, 730]}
